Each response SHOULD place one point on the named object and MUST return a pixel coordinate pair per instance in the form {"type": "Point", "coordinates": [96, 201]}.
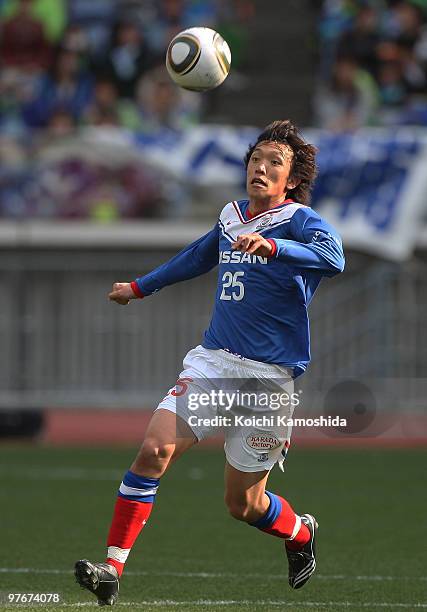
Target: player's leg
{"type": "Point", "coordinates": [167, 437]}
{"type": "Point", "coordinates": [135, 500]}
{"type": "Point", "coordinates": [248, 500]}
{"type": "Point", "coordinates": [251, 453]}
{"type": "Point", "coordinates": [138, 489]}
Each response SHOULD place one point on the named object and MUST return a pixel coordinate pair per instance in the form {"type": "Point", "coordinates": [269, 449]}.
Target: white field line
{"type": "Point", "coordinates": [250, 603]}
{"type": "Point", "coordinates": [214, 575]}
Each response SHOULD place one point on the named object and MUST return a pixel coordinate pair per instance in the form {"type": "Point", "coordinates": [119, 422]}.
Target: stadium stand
{"type": "Point", "coordinates": [373, 64]}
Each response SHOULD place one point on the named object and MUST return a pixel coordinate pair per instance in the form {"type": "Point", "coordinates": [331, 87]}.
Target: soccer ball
{"type": "Point", "coordinates": [198, 59]}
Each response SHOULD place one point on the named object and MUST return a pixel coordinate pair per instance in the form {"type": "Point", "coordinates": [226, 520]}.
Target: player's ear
{"type": "Point", "coordinates": [292, 182]}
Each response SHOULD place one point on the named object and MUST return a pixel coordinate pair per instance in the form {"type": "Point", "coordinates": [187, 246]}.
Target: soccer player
{"type": "Point", "coordinates": [272, 251]}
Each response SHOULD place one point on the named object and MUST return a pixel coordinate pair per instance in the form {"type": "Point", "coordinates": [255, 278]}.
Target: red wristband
{"type": "Point", "coordinates": [273, 247]}
{"type": "Point", "coordinates": [137, 291]}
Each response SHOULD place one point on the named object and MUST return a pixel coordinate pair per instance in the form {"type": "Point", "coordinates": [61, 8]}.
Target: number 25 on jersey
{"type": "Point", "coordinates": [232, 287]}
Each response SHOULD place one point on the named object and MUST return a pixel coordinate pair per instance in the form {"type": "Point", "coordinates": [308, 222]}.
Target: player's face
{"type": "Point", "coordinates": [268, 172]}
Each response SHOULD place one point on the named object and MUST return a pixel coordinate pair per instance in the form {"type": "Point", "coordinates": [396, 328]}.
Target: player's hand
{"type": "Point", "coordinates": [122, 293]}
{"type": "Point", "coordinates": [252, 243]}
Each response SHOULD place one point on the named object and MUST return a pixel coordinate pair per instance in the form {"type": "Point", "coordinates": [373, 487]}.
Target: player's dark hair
{"type": "Point", "coordinates": [304, 160]}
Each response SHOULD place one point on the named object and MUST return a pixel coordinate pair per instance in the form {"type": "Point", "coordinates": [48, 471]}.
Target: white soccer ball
{"type": "Point", "coordinates": [198, 59]}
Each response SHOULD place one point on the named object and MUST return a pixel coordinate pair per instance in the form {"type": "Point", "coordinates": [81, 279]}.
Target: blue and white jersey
{"type": "Point", "coordinates": [261, 303]}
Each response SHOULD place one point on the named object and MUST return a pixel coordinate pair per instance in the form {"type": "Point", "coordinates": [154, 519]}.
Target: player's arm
{"type": "Point", "coordinates": [317, 245]}
{"type": "Point", "coordinates": [197, 258]}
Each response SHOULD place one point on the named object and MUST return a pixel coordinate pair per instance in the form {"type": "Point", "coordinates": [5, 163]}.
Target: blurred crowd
{"type": "Point", "coordinates": [373, 64]}
{"type": "Point", "coordinates": [98, 61]}
{"type": "Point", "coordinates": [69, 65]}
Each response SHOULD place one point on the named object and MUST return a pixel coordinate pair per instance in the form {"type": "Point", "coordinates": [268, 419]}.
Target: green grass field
{"type": "Point", "coordinates": [56, 505]}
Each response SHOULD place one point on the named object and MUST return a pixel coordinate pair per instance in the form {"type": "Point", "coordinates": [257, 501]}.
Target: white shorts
{"type": "Point", "coordinates": [254, 419]}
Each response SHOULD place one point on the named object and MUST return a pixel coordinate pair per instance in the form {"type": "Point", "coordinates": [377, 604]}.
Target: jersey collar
{"type": "Point", "coordinates": [248, 216]}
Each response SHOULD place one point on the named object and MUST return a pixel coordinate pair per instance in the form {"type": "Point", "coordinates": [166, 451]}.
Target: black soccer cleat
{"type": "Point", "coordinates": [302, 563]}
{"type": "Point", "coordinates": [100, 579]}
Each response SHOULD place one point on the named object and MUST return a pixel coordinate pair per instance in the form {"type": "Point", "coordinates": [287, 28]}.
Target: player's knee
{"type": "Point", "coordinates": [154, 456]}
